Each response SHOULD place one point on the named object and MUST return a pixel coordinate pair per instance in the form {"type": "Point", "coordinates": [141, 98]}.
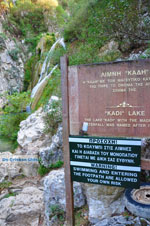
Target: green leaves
{"type": "Point", "coordinates": [42, 170]}
{"type": "Point", "coordinates": [94, 23]}
{"type": "Point", "coordinates": [13, 113]}
{"type": "Point", "coordinates": [17, 102]}
{"type": "Point", "coordinates": [53, 118]}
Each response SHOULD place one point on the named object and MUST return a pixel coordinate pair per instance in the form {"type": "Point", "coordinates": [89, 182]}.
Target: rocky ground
{"type": "Point", "coordinates": [37, 201]}
{"type": "Point", "coordinates": [31, 200]}
{"type": "Point", "coordinates": [22, 203]}
{"type": "Point", "coordinates": [32, 196]}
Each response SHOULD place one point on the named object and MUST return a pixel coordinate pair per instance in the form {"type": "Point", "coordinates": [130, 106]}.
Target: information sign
{"type": "Point", "coordinates": [107, 161]}
{"type": "Point", "coordinates": [113, 98]}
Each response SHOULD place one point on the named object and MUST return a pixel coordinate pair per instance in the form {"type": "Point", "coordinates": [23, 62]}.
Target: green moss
{"type": "Point", "coordinates": [32, 41]}
{"type": "Point", "coordinates": [49, 40]}
{"type": "Point", "coordinates": [3, 35]}
{"type": "Point", "coordinates": [42, 170]}
{"type": "Point", "coordinates": [56, 165]}
{"type": "Point", "coordinates": [5, 184]}
{"type": "Point", "coordinates": [9, 195]}
{"type": "Point", "coordinates": [29, 70]}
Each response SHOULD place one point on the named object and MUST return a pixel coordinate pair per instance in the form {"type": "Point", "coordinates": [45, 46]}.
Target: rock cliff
{"type": "Point", "coordinates": [12, 56]}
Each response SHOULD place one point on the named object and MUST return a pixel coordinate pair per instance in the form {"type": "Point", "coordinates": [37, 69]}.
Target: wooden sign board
{"type": "Point", "coordinates": [106, 161]}
{"type": "Point", "coordinates": [112, 97]}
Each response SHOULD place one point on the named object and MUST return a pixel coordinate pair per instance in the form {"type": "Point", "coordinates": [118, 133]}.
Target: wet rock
{"type": "Point", "coordinates": [44, 44]}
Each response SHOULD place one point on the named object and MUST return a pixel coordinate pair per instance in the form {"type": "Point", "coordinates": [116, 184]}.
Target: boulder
{"type": "Point", "coordinates": [13, 165]}
{"type": "Point", "coordinates": [31, 136]}
{"type": "Point", "coordinates": [26, 208]}
{"type": "Point", "coordinates": [54, 194]}
{"type": "Point", "coordinates": [7, 168]}
{"type": "Point", "coordinates": [32, 140]}
{"type": "Point", "coordinates": [110, 48]}
{"type": "Point", "coordinates": [53, 153]}
{"type": "Point", "coordinates": [103, 201]}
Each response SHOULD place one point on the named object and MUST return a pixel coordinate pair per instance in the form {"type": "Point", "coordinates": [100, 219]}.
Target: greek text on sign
{"type": "Point", "coordinates": [106, 161]}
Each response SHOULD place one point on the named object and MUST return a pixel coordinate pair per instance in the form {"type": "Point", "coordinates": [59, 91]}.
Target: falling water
{"type": "Point", "coordinates": [38, 85]}
{"type": "Point", "coordinates": [45, 67]}
{"type": "Point", "coordinates": [46, 63]}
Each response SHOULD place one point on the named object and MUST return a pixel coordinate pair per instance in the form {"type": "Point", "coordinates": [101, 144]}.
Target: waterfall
{"type": "Point", "coordinates": [45, 67]}
{"type": "Point", "coordinates": [46, 63]}
{"type": "Point", "coordinates": [38, 85]}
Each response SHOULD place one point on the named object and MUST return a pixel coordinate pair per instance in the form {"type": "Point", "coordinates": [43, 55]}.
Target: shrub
{"type": "Point", "coordinates": [58, 213]}
{"type": "Point", "coordinates": [25, 19]}
{"type": "Point", "coordinates": [53, 118]}
{"type": "Point", "coordinates": [13, 114]}
{"type": "Point", "coordinates": [42, 170]}
{"type": "Point", "coordinates": [96, 22]}
{"type": "Point", "coordinates": [14, 53]}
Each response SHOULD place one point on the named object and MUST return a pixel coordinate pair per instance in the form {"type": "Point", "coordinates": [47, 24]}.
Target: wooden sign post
{"type": "Point", "coordinates": [66, 132]}
{"type": "Point", "coordinates": [113, 100]}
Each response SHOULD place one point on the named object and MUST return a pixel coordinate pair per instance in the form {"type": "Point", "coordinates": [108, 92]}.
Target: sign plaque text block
{"type": "Point", "coordinates": [112, 97]}
{"type": "Point", "coordinates": [106, 161]}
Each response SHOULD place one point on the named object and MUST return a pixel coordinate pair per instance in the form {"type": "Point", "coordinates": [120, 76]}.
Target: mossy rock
{"type": "Point", "coordinates": [36, 73]}
{"type": "Point", "coordinates": [45, 43]}
{"type": "Point", "coordinates": [110, 51]}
